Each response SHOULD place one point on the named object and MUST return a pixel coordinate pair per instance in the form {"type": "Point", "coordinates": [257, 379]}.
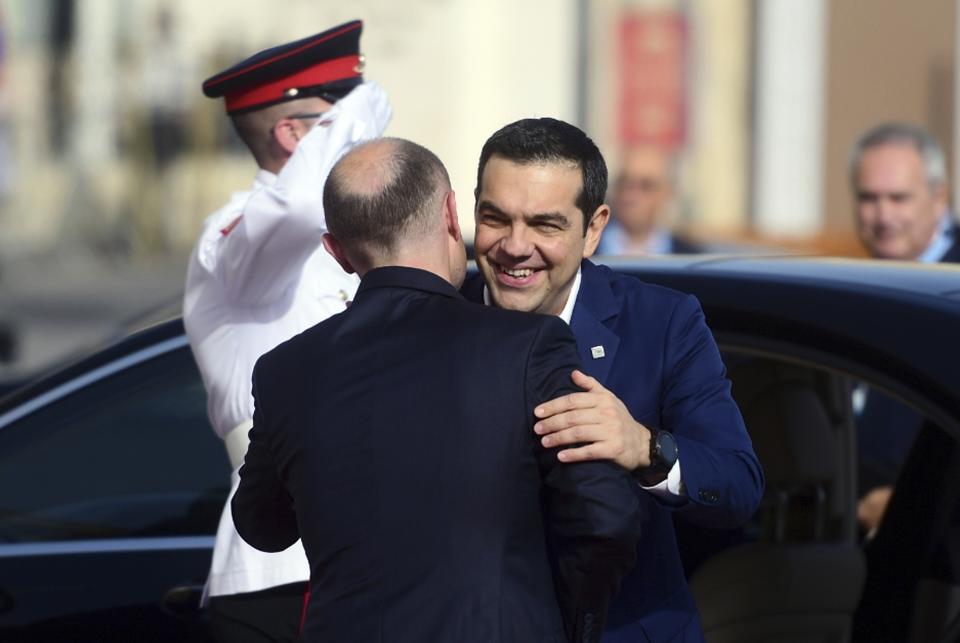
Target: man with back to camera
{"type": "Point", "coordinates": [643, 194]}
{"type": "Point", "coordinates": [654, 398]}
{"type": "Point", "coordinates": [898, 177]}
{"type": "Point", "coordinates": [396, 439]}
{"type": "Point", "coordinates": [258, 275]}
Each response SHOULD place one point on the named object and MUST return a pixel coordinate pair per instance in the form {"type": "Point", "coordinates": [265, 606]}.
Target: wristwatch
{"type": "Point", "coordinates": [663, 452]}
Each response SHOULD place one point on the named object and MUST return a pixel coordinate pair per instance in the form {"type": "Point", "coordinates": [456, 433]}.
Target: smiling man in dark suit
{"type": "Point", "coordinates": [396, 440]}
{"type": "Point", "coordinates": [655, 397]}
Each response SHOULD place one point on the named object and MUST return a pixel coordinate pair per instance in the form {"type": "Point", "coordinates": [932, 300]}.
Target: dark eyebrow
{"type": "Point", "coordinates": [870, 194]}
{"type": "Point", "coordinates": [487, 205]}
{"type": "Point", "coordinates": [554, 218]}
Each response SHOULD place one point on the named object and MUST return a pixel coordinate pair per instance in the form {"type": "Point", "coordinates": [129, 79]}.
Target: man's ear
{"type": "Point", "coordinates": [286, 133]}
{"type": "Point", "coordinates": [941, 197]}
{"type": "Point", "coordinates": [595, 228]}
{"type": "Point", "coordinates": [333, 246]}
{"type": "Point", "coordinates": [450, 216]}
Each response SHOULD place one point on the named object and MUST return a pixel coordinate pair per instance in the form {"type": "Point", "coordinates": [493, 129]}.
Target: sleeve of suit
{"type": "Point", "coordinates": [263, 511]}
{"type": "Point", "coordinates": [592, 510]}
{"type": "Point", "coordinates": [721, 474]}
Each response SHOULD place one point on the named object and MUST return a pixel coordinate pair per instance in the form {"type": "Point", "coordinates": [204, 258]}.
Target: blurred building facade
{"type": "Point", "coordinates": [107, 141]}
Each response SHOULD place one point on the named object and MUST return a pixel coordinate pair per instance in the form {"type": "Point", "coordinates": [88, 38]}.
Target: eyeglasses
{"type": "Point", "coordinates": [307, 117]}
{"type": "Point", "coordinates": [640, 184]}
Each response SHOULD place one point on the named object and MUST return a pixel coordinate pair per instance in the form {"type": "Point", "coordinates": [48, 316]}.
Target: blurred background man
{"type": "Point", "coordinates": [899, 179]}
{"type": "Point", "coordinates": [644, 196]}
{"type": "Point", "coordinates": [898, 176]}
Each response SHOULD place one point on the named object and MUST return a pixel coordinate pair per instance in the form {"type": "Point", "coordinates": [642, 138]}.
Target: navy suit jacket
{"type": "Point", "coordinates": [886, 427]}
{"type": "Point", "coordinates": [952, 255]}
{"type": "Point", "coordinates": [661, 360]}
{"type": "Point", "coordinates": [396, 441]}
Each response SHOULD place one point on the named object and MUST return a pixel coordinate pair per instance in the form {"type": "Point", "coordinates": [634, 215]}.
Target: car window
{"type": "Point", "coordinates": [800, 422]}
{"type": "Point", "coordinates": [129, 455]}
{"type": "Point", "coordinates": [886, 431]}
{"type": "Point", "coordinates": [908, 505]}
{"type": "Point", "coordinates": [890, 573]}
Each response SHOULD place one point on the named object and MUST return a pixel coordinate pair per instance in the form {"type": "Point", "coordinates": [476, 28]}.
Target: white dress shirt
{"type": "Point", "coordinates": [942, 239]}
{"type": "Point", "coordinates": [258, 276]}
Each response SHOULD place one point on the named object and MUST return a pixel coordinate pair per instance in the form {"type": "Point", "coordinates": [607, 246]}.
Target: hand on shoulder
{"type": "Point", "coordinates": [595, 424]}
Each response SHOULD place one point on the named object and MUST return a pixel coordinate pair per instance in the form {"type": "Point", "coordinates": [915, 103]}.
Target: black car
{"type": "Point", "coordinates": [111, 487]}
{"type": "Point", "coordinates": [112, 480]}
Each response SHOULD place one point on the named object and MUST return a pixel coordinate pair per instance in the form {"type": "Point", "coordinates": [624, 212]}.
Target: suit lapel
{"type": "Point", "coordinates": [953, 252]}
{"type": "Point", "coordinates": [595, 304]}
{"type": "Point", "coordinates": [472, 289]}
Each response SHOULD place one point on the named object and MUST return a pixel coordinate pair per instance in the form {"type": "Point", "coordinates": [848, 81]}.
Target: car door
{"type": "Point", "coordinates": [111, 487]}
{"type": "Point", "coordinates": [803, 568]}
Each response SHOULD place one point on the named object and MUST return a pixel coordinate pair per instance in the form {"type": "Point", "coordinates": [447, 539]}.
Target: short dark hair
{"type": "Point", "coordinates": [413, 179]}
{"type": "Point", "coordinates": [548, 140]}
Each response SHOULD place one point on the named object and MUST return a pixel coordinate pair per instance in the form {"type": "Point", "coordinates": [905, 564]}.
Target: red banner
{"type": "Point", "coordinates": [653, 86]}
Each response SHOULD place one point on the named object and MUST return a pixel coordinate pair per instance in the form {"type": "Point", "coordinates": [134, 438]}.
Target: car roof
{"type": "Point", "coordinates": [892, 320]}
{"type": "Point", "coordinates": [941, 280]}
{"type": "Point", "coordinates": [140, 340]}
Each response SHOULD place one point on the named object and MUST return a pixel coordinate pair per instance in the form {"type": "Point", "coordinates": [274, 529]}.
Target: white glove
{"type": "Point", "coordinates": [361, 115]}
{"type": "Point", "coordinates": [368, 104]}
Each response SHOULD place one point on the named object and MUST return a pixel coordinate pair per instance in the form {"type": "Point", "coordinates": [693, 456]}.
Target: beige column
{"type": "Point", "coordinates": [788, 143]}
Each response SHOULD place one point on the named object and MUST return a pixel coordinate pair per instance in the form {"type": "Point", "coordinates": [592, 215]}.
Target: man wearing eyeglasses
{"type": "Point", "coordinates": [643, 195]}
{"type": "Point", "coordinates": [259, 275]}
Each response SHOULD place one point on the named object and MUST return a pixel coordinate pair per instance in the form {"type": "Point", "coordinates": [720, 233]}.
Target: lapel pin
{"type": "Point", "coordinates": [597, 352]}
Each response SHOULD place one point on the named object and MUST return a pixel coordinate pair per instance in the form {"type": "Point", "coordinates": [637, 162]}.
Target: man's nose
{"type": "Point", "coordinates": [884, 210]}
{"type": "Point", "coordinates": [518, 242]}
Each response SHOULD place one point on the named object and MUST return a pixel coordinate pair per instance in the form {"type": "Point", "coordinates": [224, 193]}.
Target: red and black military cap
{"type": "Point", "coordinates": [327, 65]}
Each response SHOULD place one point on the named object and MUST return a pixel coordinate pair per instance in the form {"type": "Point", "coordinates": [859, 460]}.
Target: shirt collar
{"type": "Point", "coordinates": [264, 178]}
{"type": "Point", "coordinates": [616, 242]}
{"type": "Point", "coordinates": [567, 311]}
{"type": "Point", "coordinates": [941, 242]}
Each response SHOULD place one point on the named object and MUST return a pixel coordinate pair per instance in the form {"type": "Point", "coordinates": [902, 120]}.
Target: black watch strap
{"type": "Point", "coordinates": [663, 452]}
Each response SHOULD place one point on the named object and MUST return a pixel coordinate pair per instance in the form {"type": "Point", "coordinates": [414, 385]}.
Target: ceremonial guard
{"type": "Point", "coordinates": [259, 275]}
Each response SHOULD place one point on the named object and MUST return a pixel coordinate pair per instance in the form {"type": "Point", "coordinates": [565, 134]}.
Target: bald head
{"type": "Point", "coordinates": [370, 168]}
{"type": "Point", "coordinates": [384, 197]}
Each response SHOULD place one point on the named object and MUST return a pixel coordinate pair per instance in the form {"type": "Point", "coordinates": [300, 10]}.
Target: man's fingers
{"type": "Point", "coordinates": [564, 420]}
{"type": "Point", "coordinates": [594, 451]}
{"type": "Point", "coordinates": [572, 400]}
{"type": "Point", "coordinates": [565, 403]}
{"type": "Point", "coordinates": [574, 435]}
{"type": "Point", "coordinates": [586, 382]}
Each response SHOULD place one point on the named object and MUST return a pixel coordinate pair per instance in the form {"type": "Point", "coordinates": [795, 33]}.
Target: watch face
{"type": "Point", "coordinates": [666, 449]}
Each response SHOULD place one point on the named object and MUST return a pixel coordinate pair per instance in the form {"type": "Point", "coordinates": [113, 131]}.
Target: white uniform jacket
{"type": "Point", "coordinates": [258, 276]}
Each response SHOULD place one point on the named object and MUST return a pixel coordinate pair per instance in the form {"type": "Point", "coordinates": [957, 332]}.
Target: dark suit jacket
{"type": "Point", "coordinates": [396, 440]}
{"type": "Point", "coordinates": [661, 360]}
{"type": "Point", "coordinates": [952, 254]}
{"type": "Point", "coordinates": [886, 427]}
{"type": "Point", "coordinates": [684, 246]}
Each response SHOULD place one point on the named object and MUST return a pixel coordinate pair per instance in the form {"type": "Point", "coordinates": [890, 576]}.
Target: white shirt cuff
{"type": "Point", "coordinates": [671, 489]}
